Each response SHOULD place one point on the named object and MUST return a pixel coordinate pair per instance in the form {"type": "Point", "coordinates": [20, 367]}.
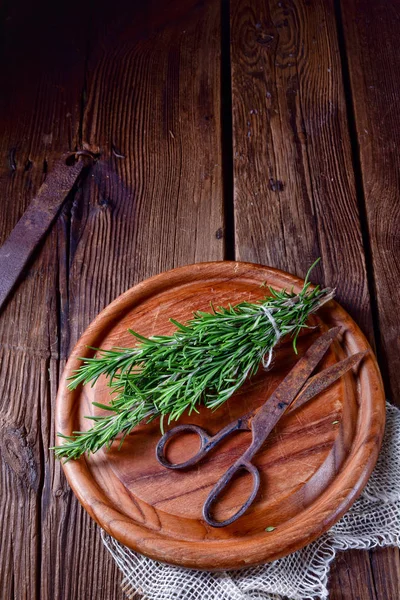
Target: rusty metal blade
{"type": "Point", "coordinates": [270, 413]}
{"type": "Point", "coordinates": [325, 378]}
{"type": "Point", "coordinates": [32, 226]}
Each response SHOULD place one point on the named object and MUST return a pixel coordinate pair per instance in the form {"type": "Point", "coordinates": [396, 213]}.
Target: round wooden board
{"type": "Point", "coordinates": [313, 466]}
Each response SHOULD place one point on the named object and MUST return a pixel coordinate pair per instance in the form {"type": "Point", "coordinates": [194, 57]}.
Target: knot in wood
{"type": "Point", "coordinates": [19, 456]}
{"type": "Point", "coordinates": [264, 38]}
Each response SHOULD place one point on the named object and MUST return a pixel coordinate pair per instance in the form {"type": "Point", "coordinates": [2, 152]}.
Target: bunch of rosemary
{"type": "Point", "coordinates": [204, 361]}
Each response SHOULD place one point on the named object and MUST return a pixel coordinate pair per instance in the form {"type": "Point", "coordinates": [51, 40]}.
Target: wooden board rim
{"type": "Point", "coordinates": [224, 554]}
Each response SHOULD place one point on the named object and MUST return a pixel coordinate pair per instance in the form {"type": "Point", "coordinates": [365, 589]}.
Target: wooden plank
{"type": "Point", "coordinates": [371, 31]}
{"type": "Point", "coordinates": [351, 577]}
{"type": "Point", "coordinates": [21, 472]}
{"type": "Point", "coordinates": [294, 189]}
{"type": "Point", "coordinates": [151, 87]}
{"type": "Point", "coordinates": [152, 202]}
{"type": "Point", "coordinates": [293, 179]}
{"type": "Point", "coordinates": [42, 76]}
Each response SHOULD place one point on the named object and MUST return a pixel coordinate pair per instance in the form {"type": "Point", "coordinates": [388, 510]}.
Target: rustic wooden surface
{"type": "Point", "coordinates": [293, 173]}
{"type": "Point", "coordinates": [309, 168]}
{"type": "Point", "coordinates": [305, 486]}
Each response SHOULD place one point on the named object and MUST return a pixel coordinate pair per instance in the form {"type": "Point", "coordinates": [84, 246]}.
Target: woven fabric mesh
{"type": "Point", "coordinates": [373, 520]}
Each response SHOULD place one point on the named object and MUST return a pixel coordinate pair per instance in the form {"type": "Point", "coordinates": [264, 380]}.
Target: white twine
{"type": "Point", "coordinates": [268, 313]}
{"type": "Point", "coordinates": [373, 520]}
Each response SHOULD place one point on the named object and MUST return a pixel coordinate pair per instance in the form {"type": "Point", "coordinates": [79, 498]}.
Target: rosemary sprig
{"type": "Point", "coordinates": [204, 361]}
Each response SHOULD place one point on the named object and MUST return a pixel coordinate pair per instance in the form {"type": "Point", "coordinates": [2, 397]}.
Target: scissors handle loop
{"type": "Point", "coordinates": [212, 498]}
{"type": "Point", "coordinates": [207, 442]}
{"type": "Point", "coordinates": [177, 431]}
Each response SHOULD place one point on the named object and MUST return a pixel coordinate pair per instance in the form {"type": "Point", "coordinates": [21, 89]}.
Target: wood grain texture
{"type": "Point", "coordinates": [109, 235]}
{"type": "Point", "coordinates": [294, 186]}
{"type": "Point", "coordinates": [45, 89]}
{"type": "Point", "coordinates": [370, 46]}
{"type": "Point", "coordinates": [371, 41]}
{"type": "Point", "coordinates": [41, 86]}
{"type": "Point", "coordinates": [352, 577]}
{"type": "Point", "coordinates": [312, 468]}
{"type": "Point", "coordinates": [154, 199]}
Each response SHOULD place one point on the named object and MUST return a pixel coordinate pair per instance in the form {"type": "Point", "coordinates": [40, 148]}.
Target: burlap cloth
{"type": "Point", "coordinates": [374, 520]}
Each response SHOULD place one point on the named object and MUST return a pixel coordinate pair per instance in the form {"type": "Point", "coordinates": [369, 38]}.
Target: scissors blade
{"type": "Point", "coordinates": [325, 378]}
{"type": "Point", "coordinates": [270, 413]}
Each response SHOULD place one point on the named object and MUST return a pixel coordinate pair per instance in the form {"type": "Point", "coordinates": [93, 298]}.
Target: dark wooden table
{"type": "Point", "coordinates": [251, 130]}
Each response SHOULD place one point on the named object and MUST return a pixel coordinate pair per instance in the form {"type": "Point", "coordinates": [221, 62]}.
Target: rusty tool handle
{"type": "Point", "coordinates": [177, 431]}
{"type": "Point", "coordinates": [37, 219]}
{"type": "Point", "coordinates": [207, 442]}
{"type": "Point", "coordinates": [239, 465]}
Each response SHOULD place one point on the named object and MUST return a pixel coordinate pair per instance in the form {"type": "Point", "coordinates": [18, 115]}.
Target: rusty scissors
{"type": "Point", "coordinates": [295, 390]}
